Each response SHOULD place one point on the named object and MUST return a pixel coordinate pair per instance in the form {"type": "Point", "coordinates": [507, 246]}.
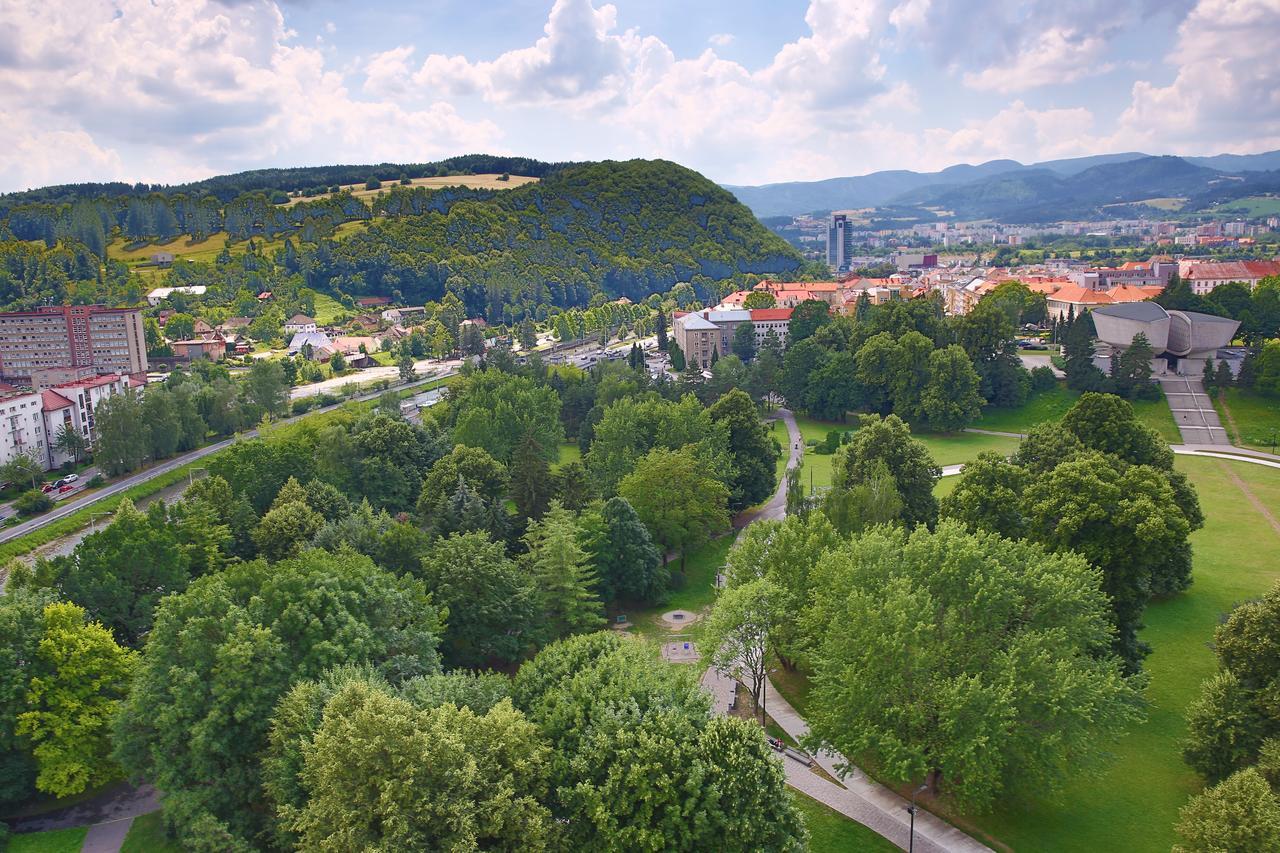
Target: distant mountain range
{"type": "Point", "coordinates": [1080, 187]}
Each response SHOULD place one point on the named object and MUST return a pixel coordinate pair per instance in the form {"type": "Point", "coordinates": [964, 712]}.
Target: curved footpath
{"type": "Point", "coordinates": [860, 798]}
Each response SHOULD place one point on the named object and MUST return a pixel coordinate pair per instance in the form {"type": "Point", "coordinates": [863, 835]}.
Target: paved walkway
{"type": "Point", "coordinates": [776, 507]}
{"type": "Point", "coordinates": [1193, 411]}
{"type": "Point", "coordinates": [106, 837]}
{"type": "Point", "coordinates": [119, 804]}
{"type": "Point", "coordinates": [863, 800]}
{"type": "Point", "coordinates": [890, 810]}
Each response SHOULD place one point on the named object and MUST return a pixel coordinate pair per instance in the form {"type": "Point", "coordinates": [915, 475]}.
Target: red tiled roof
{"type": "Point", "coordinates": [770, 314]}
{"type": "Point", "coordinates": [1080, 295]}
{"type": "Point", "coordinates": [1234, 270]}
{"type": "Point", "coordinates": [51, 401]}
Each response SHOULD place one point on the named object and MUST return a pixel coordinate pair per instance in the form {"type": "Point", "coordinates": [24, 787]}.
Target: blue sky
{"type": "Point", "coordinates": [745, 92]}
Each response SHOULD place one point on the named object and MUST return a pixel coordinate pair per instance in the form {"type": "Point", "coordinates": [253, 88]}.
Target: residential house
{"type": "Point", "coordinates": [299, 323]}
{"type": "Point", "coordinates": [74, 404]}
{"type": "Point", "coordinates": [213, 348]}
{"type": "Point", "coordinates": [314, 342]}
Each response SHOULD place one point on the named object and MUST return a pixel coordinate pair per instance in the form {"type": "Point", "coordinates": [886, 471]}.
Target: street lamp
{"type": "Point", "coordinates": [911, 810]}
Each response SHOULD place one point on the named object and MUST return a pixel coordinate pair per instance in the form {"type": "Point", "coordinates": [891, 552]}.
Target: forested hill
{"type": "Point", "coordinates": [629, 229]}
{"type": "Point", "coordinates": [622, 228]}
{"type": "Point", "coordinates": [306, 179]}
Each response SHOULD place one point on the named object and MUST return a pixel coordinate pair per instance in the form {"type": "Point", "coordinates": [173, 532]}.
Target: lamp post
{"type": "Point", "coordinates": [911, 810]}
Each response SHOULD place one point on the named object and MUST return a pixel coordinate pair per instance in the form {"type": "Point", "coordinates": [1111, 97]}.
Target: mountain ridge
{"type": "Point", "coordinates": [891, 187]}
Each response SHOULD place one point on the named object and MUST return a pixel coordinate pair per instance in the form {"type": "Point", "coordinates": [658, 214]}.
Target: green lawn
{"type": "Point", "coordinates": [146, 835]}
{"type": "Point", "coordinates": [1157, 415]}
{"type": "Point", "coordinates": [569, 452]}
{"type": "Point", "coordinates": [946, 449]}
{"type": "Point", "coordinates": [965, 446]}
{"type": "Point", "coordinates": [1052, 405]}
{"type": "Point", "coordinates": [1251, 419]}
{"type": "Point", "coordinates": [1046, 406]}
{"type": "Point", "coordinates": [327, 309]}
{"type": "Point", "coordinates": [693, 591]}
{"type": "Point", "coordinates": [832, 832]}
{"type": "Point", "coordinates": [1132, 804]}
{"type": "Point", "coordinates": [53, 841]}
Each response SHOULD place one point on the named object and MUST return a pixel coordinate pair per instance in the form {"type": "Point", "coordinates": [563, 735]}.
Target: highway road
{"type": "Point", "coordinates": [114, 488]}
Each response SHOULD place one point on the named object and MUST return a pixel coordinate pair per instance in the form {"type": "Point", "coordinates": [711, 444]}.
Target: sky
{"type": "Point", "coordinates": [744, 91]}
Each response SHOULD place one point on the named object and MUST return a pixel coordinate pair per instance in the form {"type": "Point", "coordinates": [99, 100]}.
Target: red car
{"type": "Point", "coordinates": [46, 488]}
{"type": "Point", "coordinates": [68, 487]}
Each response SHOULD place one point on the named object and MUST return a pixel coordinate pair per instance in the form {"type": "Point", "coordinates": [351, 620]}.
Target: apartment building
{"type": "Point", "coordinates": [108, 340]}
{"type": "Point", "coordinates": [702, 333]}
{"type": "Point", "coordinates": [73, 404]}
{"type": "Point", "coordinates": [21, 425]}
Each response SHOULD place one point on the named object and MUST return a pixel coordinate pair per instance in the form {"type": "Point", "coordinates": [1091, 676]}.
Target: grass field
{"type": "Point", "coordinates": [1052, 405]}
{"type": "Point", "coordinates": [1251, 419]}
{"type": "Point", "coordinates": [1256, 205]}
{"type": "Point", "coordinates": [832, 832]}
{"type": "Point", "coordinates": [946, 449]}
{"type": "Point", "coordinates": [1132, 804]}
{"type": "Point", "coordinates": [489, 182]}
{"type": "Point", "coordinates": [54, 841]}
{"type": "Point", "coordinates": [1046, 406]}
{"type": "Point", "coordinates": [181, 247]}
{"type": "Point", "coordinates": [327, 309]}
{"type": "Point", "coordinates": [146, 835]}
{"type": "Point", "coordinates": [569, 452]}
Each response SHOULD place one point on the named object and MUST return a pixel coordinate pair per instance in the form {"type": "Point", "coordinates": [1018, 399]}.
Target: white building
{"type": "Point", "coordinates": [21, 425]}
{"type": "Point", "coordinates": [160, 294]}
{"type": "Point", "coordinates": [299, 323]}
{"type": "Point", "coordinates": [74, 404]}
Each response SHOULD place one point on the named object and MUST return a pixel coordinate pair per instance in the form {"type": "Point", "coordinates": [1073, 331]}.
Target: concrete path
{"type": "Point", "coordinates": [863, 800]}
{"type": "Point", "coordinates": [1031, 362]}
{"type": "Point", "coordinates": [776, 507]}
{"type": "Point", "coordinates": [106, 837]}
{"type": "Point", "coordinates": [120, 802]}
{"type": "Point", "coordinates": [1193, 411]}
{"type": "Point", "coordinates": [891, 808]}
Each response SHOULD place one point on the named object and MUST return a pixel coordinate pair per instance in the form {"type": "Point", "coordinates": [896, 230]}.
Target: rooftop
{"type": "Point", "coordinates": [1143, 312]}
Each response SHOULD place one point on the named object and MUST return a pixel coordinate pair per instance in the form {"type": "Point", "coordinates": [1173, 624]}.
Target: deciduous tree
{"type": "Point", "coordinates": [972, 662]}
{"type": "Point", "coordinates": [78, 677]}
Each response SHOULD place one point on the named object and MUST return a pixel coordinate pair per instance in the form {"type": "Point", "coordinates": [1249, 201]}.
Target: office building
{"type": "Point", "coordinates": [839, 242]}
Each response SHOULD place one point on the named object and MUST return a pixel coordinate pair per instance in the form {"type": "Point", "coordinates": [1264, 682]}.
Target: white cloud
{"type": "Point", "coordinates": [1019, 45]}
{"type": "Point", "coordinates": [721, 39]}
{"type": "Point", "coordinates": [1016, 132]}
{"type": "Point", "coordinates": [176, 86]}
{"type": "Point", "coordinates": [1227, 85]}
{"type": "Point", "coordinates": [1053, 57]}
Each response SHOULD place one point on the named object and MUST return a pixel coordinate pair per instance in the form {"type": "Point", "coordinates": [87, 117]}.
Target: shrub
{"type": "Point", "coordinates": [33, 502]}
{"type": "Point", "coordinates": [373, 184]}
{"type": "Point", "coordinates": [324, 398]}
{"type": "Point", "coordinates": [302, 405]}
{"type": "Point", "coordinates": [1042, 378]}
{"type": "Point", "coordinates": [97, 481]}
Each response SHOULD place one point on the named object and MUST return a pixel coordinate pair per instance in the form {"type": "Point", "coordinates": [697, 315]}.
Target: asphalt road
{"type": "Point", "coordinates": [170, 464]}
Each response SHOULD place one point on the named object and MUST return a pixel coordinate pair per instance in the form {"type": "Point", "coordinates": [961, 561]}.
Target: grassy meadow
{"type": "Point", "coordinates": [1251, 419]}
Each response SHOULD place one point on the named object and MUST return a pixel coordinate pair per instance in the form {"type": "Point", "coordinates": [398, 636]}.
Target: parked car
{"type": "Point", "coordinates": [66, 487]}
{"type": "Point", "coordinates": [47, 487]}
{"type": "Point", "coordinates": [71, 478]}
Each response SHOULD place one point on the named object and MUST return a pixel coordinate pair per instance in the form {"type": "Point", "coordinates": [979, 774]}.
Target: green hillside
{"type": "Point", "coordinates": [618, 228]}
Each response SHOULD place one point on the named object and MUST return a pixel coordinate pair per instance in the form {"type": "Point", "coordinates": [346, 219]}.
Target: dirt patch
{"type": "Point", "coordinates": [677, 619]}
